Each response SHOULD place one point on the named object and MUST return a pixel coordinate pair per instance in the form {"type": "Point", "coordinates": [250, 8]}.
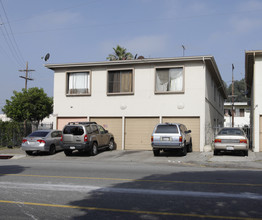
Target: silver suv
{"type": "Point", "coordinates": [86, 137]}
{"type": "Point", "coordinates": [170, 136]}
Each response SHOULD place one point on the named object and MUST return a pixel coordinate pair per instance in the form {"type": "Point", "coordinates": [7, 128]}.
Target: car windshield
{"type": "Point", "coordinates": [74, 130]}
{"type": "Point", "coordinates": [231, 131]}
{"type": "Point", "coordinates": [39, 134]}
{"type": "Point", "coordinates": [166, 129]}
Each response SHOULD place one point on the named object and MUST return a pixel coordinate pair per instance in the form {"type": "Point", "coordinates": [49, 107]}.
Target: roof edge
{"type": "Point", "coordinates": [119, 62]}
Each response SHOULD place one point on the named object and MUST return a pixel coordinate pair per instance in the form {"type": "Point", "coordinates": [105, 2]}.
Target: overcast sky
{"type": "Point", "coordinates": [87, 30]}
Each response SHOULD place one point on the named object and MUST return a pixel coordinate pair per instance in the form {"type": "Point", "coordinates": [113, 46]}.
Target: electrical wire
{"type": "Point", "coordinates": [11, 42]}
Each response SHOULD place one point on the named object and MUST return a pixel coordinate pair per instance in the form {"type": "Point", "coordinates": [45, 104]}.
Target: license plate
{"type": "Point", "coordinates": [72, 148]}
{"type": "Point", "coordinates": [230, 148]}
{"type": "Point", "coordinates": [165, 139]}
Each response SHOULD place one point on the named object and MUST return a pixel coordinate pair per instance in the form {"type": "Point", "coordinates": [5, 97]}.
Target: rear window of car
{"type": "Point", "coordinates": [166, 129]}
{"type": "Point", "coordinates": [230, 131]}
{"type": "Point", "coordinates": [74, 130]}
{"type": "Point", "coordinates": [39, 134]}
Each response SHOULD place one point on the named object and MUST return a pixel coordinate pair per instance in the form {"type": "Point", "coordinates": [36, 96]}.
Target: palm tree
{"type": "Point", "coordinates": [120, 54]}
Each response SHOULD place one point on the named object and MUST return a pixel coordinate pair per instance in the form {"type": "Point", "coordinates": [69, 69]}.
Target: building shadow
{"type": "Point", "coordinates": [180, 195]}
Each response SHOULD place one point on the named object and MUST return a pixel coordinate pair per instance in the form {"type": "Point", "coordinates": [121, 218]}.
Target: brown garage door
{"type": "Point", "coordinates": [138, 133]}
{"type": "Point", "coordinates": [62, 121]}
{"type": "Point", "coordinates": [114, 126]}
{"type": "Point", "coordinates": [193, 124]}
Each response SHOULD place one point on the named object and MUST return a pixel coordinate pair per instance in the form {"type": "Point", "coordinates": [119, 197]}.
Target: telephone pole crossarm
{"type": "Point", "coordinates": [26, 78]}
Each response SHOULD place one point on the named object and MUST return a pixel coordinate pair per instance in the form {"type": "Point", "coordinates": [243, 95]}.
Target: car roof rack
{"type": "Point", "coordinates": [82, 123]}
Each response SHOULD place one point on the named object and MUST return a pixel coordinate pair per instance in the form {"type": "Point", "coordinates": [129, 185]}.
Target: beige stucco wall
{"type": "Point", "coordinates": [257, 105]}
{"type": "Point", "coordinates": [143, 103]}
{"type": "Point", "coordinates": [214, 108]}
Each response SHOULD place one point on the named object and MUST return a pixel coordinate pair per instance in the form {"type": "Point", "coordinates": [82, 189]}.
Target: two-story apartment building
{"type": "Point", "coordinates": [129, 97]}
{"type": "Point", "coordinates": [253, 78]}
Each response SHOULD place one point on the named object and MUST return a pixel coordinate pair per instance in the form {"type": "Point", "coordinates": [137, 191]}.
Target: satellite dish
{"type": "Point", "coordinates": [47, 56]}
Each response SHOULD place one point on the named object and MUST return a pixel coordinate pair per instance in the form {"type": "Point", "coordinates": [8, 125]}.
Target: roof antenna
{"type": "Point", "coordinates": [184, 48]}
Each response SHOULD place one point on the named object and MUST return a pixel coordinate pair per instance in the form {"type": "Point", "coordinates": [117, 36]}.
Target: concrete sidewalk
{"type": "Point", "coordinates": [206, 159]}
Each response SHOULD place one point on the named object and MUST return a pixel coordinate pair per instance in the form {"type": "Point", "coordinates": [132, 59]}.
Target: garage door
{"type": "Point", "coordinates": [192, 124]}
{"type": "Point", "coordinates": [62, 121]}
{"type": "Point", "coordinates": [114, 126]}
{"type": "Point", "coordinates": [138, 133]}
{"type": "Point", "coordinates": [260, 133]}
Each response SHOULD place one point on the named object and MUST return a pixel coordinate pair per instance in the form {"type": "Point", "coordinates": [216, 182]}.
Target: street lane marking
{"type": "Point", "coordinates": [129, 211]}
{"type": "Point", "coordinates": [87, 189]}
{"type": "Point", "coordinates": [136, 180]}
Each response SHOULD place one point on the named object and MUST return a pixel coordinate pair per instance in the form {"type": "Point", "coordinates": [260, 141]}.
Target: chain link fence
{"type": "Point", "coordinates": [12, 133]}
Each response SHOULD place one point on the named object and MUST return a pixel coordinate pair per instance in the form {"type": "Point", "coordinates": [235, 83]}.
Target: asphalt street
{"type": "Point", "coordinates": [118, 185]}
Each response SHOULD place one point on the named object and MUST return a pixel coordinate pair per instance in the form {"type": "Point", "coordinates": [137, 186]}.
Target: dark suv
{"type": "Point", "coordinates": [86, 137]}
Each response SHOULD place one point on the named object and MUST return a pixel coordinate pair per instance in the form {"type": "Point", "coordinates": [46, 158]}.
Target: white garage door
{"type": "Point", "coordinates": [62, 121]}
{"type": "Point", "coordinates": [193, 124]}
{"type": "Point", "coordinates": [138, 133]}
{"type": "Point", "coordinates": [114, 126]}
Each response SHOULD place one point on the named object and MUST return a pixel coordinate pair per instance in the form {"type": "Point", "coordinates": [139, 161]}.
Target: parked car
{"type": "Point", "coordinates": [42, 141]}
{"type": "Point", "coordinates": [231, 139]}
{"type": "Point", "coordinates": [170, 136]}
{"type": "Point", "coordinates": [86, 137]}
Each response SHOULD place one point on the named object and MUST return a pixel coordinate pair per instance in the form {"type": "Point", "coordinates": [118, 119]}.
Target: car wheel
{"type": "Point", "coordinates": [189, 149]}
{"type": "Point", "coordinates": [68, 152]}
{"type": "Point", "coordinates": [111, 145]}
{"type": "Point", "coordinates": [30, 153]}
{"type": "Point", "coordinates": [184, 150]}
{"type": "Point", "coordinates": [52, 149]}
{"type": "Point", "coordinates": [156, 152]}
{"type": "Point", "coordinates": [246, 153]}
{"type": "Point", "coordinates": [94, 149]}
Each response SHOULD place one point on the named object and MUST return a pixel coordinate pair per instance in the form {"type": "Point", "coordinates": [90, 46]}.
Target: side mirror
{"type": "Point", "coordinates": [106, 131]}
{"type": "Point", "coordinates": [189, 131]}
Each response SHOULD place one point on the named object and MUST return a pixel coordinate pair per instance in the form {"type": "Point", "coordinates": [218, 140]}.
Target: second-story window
{"type": "Point", "coordinates": [169, 80]}
{"type": "Point", "coordinates": [120, 82]}
{"type": "Point", "coordinates": [78, 83]}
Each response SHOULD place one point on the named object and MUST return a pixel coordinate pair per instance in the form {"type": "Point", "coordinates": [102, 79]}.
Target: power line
{"type": "Point", "coordinates": [11, 42]}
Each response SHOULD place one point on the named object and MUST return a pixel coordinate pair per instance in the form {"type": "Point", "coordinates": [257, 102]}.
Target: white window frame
{"type": "Point", "coordinates": [170, 92]}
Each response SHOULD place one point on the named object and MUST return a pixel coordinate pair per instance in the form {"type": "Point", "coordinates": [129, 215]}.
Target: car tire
{"type": "Point", "coordinates": [189, 148]}
{"type": "Point", "coordinates": [246, 153]}
{"type": "Point", "coordinates": [184, 150]}
{"type": "Point", "coordinates": [30, 153]}
{"type": "Point", "coordinates": [111, 145]}
{"type": "Point", "coordinates": [52, 149]}
{"type": "Point", "coordinates": [94, 149]}
{"type": "Point", "coordinates": [68, 152]}
{"type": "Point", "coordinates": [156, 152]}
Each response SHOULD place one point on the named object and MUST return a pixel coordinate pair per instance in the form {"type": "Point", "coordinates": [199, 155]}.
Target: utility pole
{"type": "Point", "coordinates": [232, 95]}
{"type": "Point", "coordinates": [26, 78]}
{"type": "Point", "coordinates": [26, 75]}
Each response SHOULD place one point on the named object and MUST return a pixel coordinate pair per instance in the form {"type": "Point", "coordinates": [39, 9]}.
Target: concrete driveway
{"type": "Point", "coordinates": [207, 159]}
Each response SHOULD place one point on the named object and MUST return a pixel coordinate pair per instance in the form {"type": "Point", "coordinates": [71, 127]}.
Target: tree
{"type": "Point", "coordinates": [239, 91]}
{"type": "Point", "coordinates": [120, 53]}
{"type": "Point", "coordinates": [32, 105]}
